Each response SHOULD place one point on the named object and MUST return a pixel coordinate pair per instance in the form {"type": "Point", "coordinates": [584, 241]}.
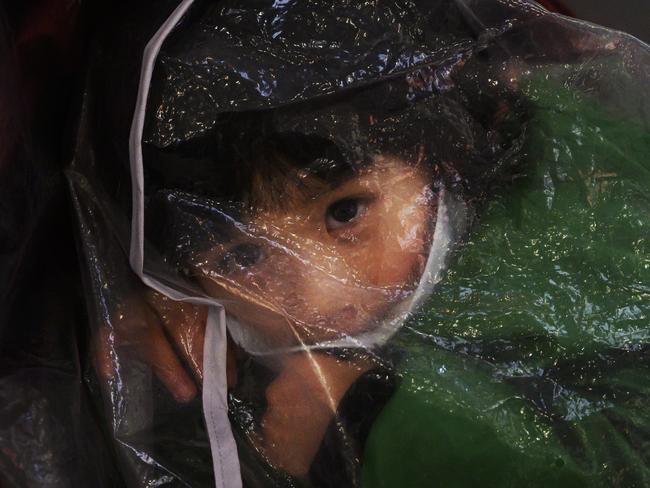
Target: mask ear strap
{"type": "Point", "coordinates": [215, 402]}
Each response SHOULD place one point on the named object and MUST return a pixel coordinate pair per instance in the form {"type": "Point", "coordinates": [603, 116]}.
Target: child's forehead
{"type": "Point", "coordinates": [291, 189]}
{"type": "Point", "coordinates": [300, 188]}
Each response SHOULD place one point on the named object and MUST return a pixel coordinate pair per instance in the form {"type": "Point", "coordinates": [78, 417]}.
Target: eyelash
{"type": "Point", "coordinates": [334, 224]}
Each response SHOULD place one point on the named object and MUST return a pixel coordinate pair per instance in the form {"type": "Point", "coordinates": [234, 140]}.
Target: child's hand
{"type": "Point", "coordinates": [301, 403]}
{"type": "Point", "coordinates": [166, 335]}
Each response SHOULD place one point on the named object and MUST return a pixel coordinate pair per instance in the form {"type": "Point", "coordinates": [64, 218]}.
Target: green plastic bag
{"type": "Point", "coordinates": [529, 366]}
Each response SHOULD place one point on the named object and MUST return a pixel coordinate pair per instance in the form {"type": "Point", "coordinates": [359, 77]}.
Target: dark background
{"type": "Point", "coordinates": [42, 49]}
{"type": "Point", "coordinates": [632, 16]}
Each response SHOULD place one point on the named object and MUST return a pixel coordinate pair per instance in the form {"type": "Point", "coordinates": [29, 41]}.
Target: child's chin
{"type": "Point", "coordinates": [278, 334]}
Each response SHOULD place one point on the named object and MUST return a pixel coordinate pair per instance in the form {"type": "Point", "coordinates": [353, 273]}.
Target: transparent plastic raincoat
{"type": "Point", "coordinates": [390, 243]}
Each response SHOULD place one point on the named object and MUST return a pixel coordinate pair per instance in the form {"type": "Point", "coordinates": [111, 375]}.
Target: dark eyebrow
{"type": "Point", "coordinates": [333, 173]}
{"type": "Point", "coordinates": [315, 159]}
{"type": "Point", "coordinates": [310, 183]}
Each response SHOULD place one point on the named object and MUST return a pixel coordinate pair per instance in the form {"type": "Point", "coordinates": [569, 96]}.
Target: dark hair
{"type": "Point", "coordinates": [470, 138]}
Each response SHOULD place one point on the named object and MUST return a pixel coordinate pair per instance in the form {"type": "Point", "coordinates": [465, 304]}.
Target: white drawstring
{"type": "Point", "coordinates": [215, 402]}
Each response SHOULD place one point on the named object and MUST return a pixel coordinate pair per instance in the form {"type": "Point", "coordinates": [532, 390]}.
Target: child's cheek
{"type": "Point", "coordinates": [390, 245]}
{"type": "Point", "coordinates": [361, 251]}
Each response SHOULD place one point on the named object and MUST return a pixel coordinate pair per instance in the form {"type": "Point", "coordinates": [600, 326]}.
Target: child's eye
{"type": "Point", "coordinates": [240, 257]}
{"type": "Point", "coordinates": [343, 212]}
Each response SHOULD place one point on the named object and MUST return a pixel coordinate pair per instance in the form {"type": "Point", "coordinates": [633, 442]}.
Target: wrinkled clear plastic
{"type": "Point", "coordinates": [422, 226]}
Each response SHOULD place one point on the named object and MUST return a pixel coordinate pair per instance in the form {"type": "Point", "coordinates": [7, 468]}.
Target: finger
{"type": "Point", "coordinates": [164, 362]}
{"type": "Point", "coordinates": [188, 331]}
{"type": "Point", "coordinates": [101, 353]}
{"type": "Point", "coordinates": [185, 324]}
{"type": "Point", "coordinates": [141, 330]}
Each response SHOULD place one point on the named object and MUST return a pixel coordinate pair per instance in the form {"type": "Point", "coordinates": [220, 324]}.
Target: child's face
{"type": "Point", "coordinates": [332, 262]}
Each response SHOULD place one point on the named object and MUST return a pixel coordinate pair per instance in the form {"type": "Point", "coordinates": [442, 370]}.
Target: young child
{"type": "Point", "coordinates": [318, 244]}
{"type": "Point", "coordinates": [329, 260]}
{"type": "Point", "coordinates": [307, 201]}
